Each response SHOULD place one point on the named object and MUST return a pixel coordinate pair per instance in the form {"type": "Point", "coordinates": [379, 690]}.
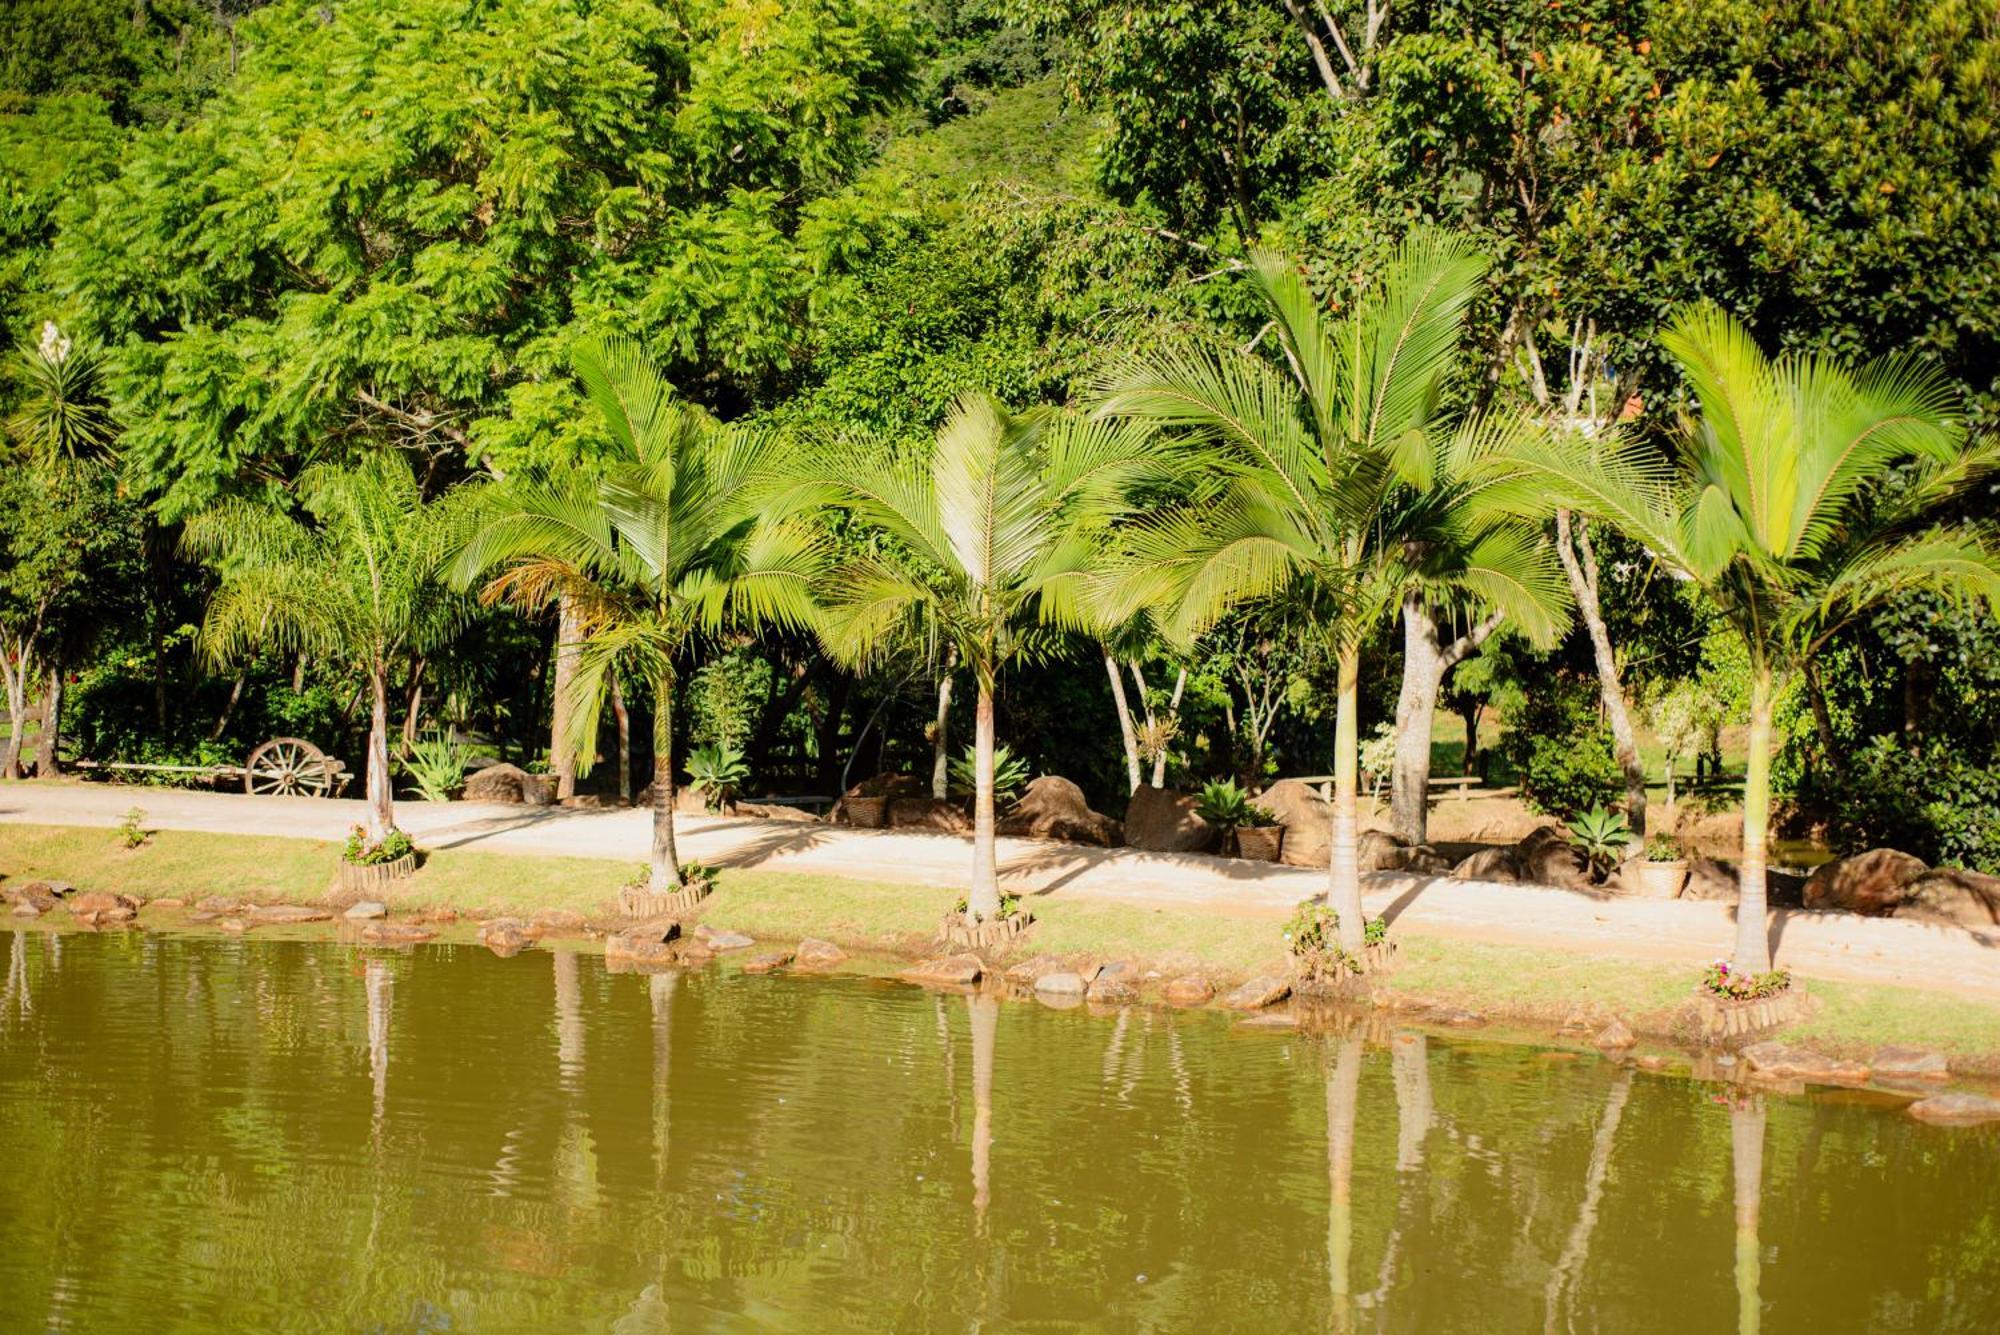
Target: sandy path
{"type": "Point", "coordinates": [1822, 945]}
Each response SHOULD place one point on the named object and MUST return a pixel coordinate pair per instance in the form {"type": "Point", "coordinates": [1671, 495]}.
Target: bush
{"type": "Point", "coordinates": [1313, 936]}
{"type": "Point", "coordinates": [718, 773]}
{"type": "Point", "coordinates": [361, 853]}
{"type": "Point", "coordinates": [1226, 806]}
{"type": "Point", "coordinates": [1935, 803]}
{"type": "Point", "coordinates": [436, 765]}
{"type": "Point", "coordinates": [1010, 775]}
{"type": "Point", "coordinates": [1560, 750]}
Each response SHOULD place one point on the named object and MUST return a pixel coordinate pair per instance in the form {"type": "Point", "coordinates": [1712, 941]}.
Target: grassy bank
{"type": "Point", "coordinates": [1505, 981]}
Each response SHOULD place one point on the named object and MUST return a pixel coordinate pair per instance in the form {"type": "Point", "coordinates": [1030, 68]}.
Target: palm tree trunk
{"type": "Point", "coordinates": [1416, 711]}
{"type": "Point", "coordinates": [15, 675]}
{"type": "Point", "coordinates": [1126, 735]}
{"type": "Point", "coordinates": [1579, 563]}
{"type": "Point", "coordinates": [381, 796]}
{"type": "Point", "coordinates": [941, 738]}
{"type": "Point", "coordinates": [563, 747]}
{"type": "Point", "coordinates": [1173, 711]}
{"type": "Point", "coordinates": [983, 904]}
{"type": "Point", "coordinates": [48, 759]}
{"type": "Point", "coordinates": [1753, 945]}
{"type": "Point", "coordinates": [1746, 1136]}
{"type": "Point", "coordinates": [665, 876]}
{"type": "Point", "coordinates": [624, 717]}
{"type": "Point", "coordinates": [1343, 864]}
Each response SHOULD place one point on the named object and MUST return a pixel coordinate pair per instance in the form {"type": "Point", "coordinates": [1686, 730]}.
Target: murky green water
{"type": "Point", "coordinates": [205, 1134]}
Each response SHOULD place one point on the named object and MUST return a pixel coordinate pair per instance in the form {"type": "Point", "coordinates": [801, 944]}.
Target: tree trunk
{"type": "Point", "coordinates": [1127, 736]}
{"type": "Point", "coordinates": [48, 747]}
{"type": "Point", "coordinates": [1577, 1250]}
{"type": "Point", "coordinates": [1822, 720]}
{"type": "Point", "coordinates": [1343, 864]}
{"type": "Point", "coordinates": [562, 746]}
{"type": "Point", "coordinates": [984, 1021]}
{"type": "Point", "coordinates": [1173, 711]}
{"type": "Point", "coordinates": [1579, 563]}
{"type": "Point", "coordinates": [941, 737]}
{"type": "Point", "coordinates": [381, 795]}
{"type": "Point", "coordinates": [983, 903]}
{"type": "Point", "coordinates": [1753, 943]}
{"type": "Point", "coordinates": [1343, 1100]}
{"type": "Point", "coordinates": [15, 675]}
{"type": "Point", "coordinates": [1746, 1141]}
{"type": "Point", "coordinates": [624, 718]}
{"type": "Point", "coordinates": [665, 876]}
{"type": "Point", "coordinates": [1469, 713]}
{"type": "Point", "coordinates": [1416, 708]}
{"type": "Point", "coordinates": [228, 708]}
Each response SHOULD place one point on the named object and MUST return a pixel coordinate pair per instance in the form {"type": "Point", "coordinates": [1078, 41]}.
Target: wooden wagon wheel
{"type": "Point", "coordinates": [288, 766]}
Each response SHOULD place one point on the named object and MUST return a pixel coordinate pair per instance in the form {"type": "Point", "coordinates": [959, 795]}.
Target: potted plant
{"type": "Point", "coordinates": [1602, 837]}
{"type": "Point", "coordinates": [1663, 871]}
{"type": "Point", "coordinates": [1246, 829]}
{"type": "Point", "coordinates": [718, 773]}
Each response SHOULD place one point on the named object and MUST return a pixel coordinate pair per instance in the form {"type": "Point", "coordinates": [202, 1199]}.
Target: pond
{"type": "Point", "coordinates": [226, 1134]}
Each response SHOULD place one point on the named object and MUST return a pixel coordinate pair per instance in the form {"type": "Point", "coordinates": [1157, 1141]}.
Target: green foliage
{"type": "Point", "coordinates": [699, 875]}
{"type": "Point", "coordinates": [718, 773]}
{"type": "Point", "coordinates": [1010, 774]}
{"type": "Point", "coordinates": [436, 764]}
{"type": "Point", "coordinates": [1559, 749]}
{"type": "Point", "coordinates": [1602, 836]}
{"type": "Point", "coordinates": [364, 852]}
{"type": "Point", "coordinates": [132, 831]}
{"type": "Point", "coordinates": [1313, 937]}
{"type": "Point", "coordinates": [725, 695]}
{"type": "Point", "coordinates": [1733, 984]}
{"type": "Point", "coordinates": [1010, 904]}
{"type": "Point", "coordinates": [1225, 806]}
{"type": "Point", "coordinates": [1664, 848]}
{"type": "Point", "coordinates": [1930, 800]}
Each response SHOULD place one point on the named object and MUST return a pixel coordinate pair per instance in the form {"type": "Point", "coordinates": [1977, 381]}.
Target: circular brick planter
{"type": "Point", "coordinates": [1724, 1021]}
{"type": "Point", "coordinates": [959, 934]}
{"type": "Point", "coordinates": [636, 901]}
{"type": "Point", "coordinates": [354, 878]}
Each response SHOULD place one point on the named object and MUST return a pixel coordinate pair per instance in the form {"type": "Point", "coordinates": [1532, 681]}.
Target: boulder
{"type": "Point", "coordinates": [1054, 808]}
{"type": "Point", "coordinates": [764, 961]}
{"type": "Point", "coordinates": [288, 914]}
{"type": "Point", "coordinates": [1547, 857]}
{"type": "Point", "coordinates": [1956, 1109]}
{"type": "Point", "coordinates": [890, 786]}
{"type": "Point", "coordinates": [556, 920]}
{"type": "Point", "coordinates": [1061, 984]}
{"type": "Point", "coordinates": [1159, 820]}
{"type": "Point", "coordinates": [36, 896]}
{"type": "Point", "coordinates": [1899, 1063]}
{"type": "Point", "coordinates": [1952, 895]}
{"type": "Point", "coordinates": [1258, 993]}
{"type": "Point", "coordinates": [366, 910]}
{"type": "Point", "coordinates": [1489, 864]}
{"type": "Point", "coordinates": [216, 904]}
{"type": "Point", "coordinates": [1380, 850]}
{"type": "Point", "coordinates": [1873, 883]}
{"type": "Point", "coordinates": [927, 813]}
{"type": "Point", "coordinates": [775, 811]}
{"type": "Point", "coordinates": [1307, 820]}
{"type": "Point", "coordinates": [167, 902]}
{"type": "Point", "coordinates": [1190, 990]}
{"type": "Point", "coordinates": [395, 934]}
{"type": "Point", "coordinates": [1709, 878]}
{"type": "Point", "coordinates": [1779, 1061]}
{"type": "Point", "coordinates": [96, 908]}
{"type": "Point", "coordinates": [508, 785]}
{"type": "Point", "coordinates": [814, 953]}
{"type": "Point", "coordinates": [648, 944]}
{"type": "Point", "coordinates": [509, 937]}
{"type": "Point", "coordinates": [1614, 1037]}
{"type": "Point", "coordinates": [1030, 971]}
{"type": "Point", "coordinates": [723, 940]}
{"type": "Point", "coordinates": [1112, 989]}
{"type": "Point", "coordinates": [946, 970]}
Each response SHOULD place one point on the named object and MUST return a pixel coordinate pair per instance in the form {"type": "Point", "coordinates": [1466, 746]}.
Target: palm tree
{"type": "Point", "coordinates": [359, 584]}
{"type": "Point", "coordinates": [984, 542]}
{"type": "Point", "coordinates": [1803, 495]}
{"type": "Point", "coordinates": [668, 538]}
{"type": "Point", "coordinates": [1310, 462]}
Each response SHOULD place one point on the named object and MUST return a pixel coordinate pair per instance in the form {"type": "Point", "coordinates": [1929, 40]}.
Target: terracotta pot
{"type": "Point", "coordinates": [1259, 843]}
{"type": "Point", "coordinates": [1658, 880]}
{"type": "Point", "coordinates": [867, 813]}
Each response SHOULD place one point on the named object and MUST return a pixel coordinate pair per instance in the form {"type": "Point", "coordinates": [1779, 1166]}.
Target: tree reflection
{"type": "Point", "coordinates": [1577, 1249]}
{"type": "Point", "coordinates": [1343, 1094]}
{"type": "Point", "coordinates": [1746, 1137]}
{"type": "Point", "coordinates": [984, 1016]}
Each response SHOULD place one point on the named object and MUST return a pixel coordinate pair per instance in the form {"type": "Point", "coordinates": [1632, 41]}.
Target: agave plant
{"type": "Point", "coordinates": [718, 773]}
{"type": "Point", "coordinates": [436, 764]}
{"type": "Point", "coordinates": [1601, 836]}
{"type": "Point", "coordinates": [1010, 774]}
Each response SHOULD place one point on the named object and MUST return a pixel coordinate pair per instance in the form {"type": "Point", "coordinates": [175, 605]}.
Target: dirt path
{"type": "Point", "coordinates": [1690, 933]}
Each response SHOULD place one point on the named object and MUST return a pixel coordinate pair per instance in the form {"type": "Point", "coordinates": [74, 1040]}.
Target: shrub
{"type": "Point", "coordinates": [1664, 848]}
{"type": "Point", "coordinates": [718, 774]}
{"type": "Point", "coordinates": [1602, 837]}
{"type": "Point", "coordinates": [1010, 904]}
{"type": "Point", "coordinates": [1010, 775]}
{"type": "Point", "coordinates": [1936, 803]}
{"type": "Point", "coordinates": [132, 830]}
{"type": "Point", "coordinates": [1313, 936]}
{"type": "Point", "coordinates": [436, 764]}
{"type": "Point", "coordinates": [361, 853]}
{"type": "Point", "coordinates": [1560, 750]}
{"type": "Point", "coordinates": [1226, 806]}
{"type": "Point", "coordinates": [1726, 983]}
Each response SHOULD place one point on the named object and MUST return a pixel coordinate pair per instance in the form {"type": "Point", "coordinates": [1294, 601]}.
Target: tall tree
{"type": "Point", "coordinates": [1310, 459]}
{"type": "Point", "coordinates": [985, 540]}
{"type": "Point", "coordinates": [1804, 495]}
{"type": "Point", "coordinates": [358, 580]}
{"type": "Point", "coordinates": [666, 538]}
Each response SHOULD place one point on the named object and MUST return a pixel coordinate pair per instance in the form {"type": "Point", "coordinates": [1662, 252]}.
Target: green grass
{"type": "Point", "coordinates": [1540, 986]}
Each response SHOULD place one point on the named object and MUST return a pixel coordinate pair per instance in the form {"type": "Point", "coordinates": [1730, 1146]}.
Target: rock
{"type": "Point", "coordinates": [1380, 850]}
{"type": "Point", "coordinates": [1489, 864]}
{"type": "Point", "coordinates": [167, 902]}
{"type": "Point", "coordinates": [556, 920]}
{"type": "Point", "coordinates": [1307, 819]}
{"type": "Point", "coordinates": [720, 941]}
{"type": "Point", "coordinates": [36, 896]}
{"type": "Point", "coordinates": [1267, 990]}
{"type": "Point", "coordinates": [1462, 1019]}
{"type": "Point", "coordinates": [365, 910]}
{"type": "Point", "coordinates": [233, 926]}
{"type": "Point", "coordinates": [1710, 879]}
{"type": "Point", "coordinates": [688, 802]}
{"type": "Point", "coordinates": [1190, 990]}
{"type": "Point", "coordinates": [1029, 971]}
{"type": "Point", "coordinates": [947, 970]}
{"type": "Point", "coordinates": [99, 908]}
{"type": "Point", "coordinates": [1952, 895]}
{"type": "Point", "coordinates": [1781, 1062]}
{"type": "Point", "coordinates": [1898, 1063]}
{"type": "Point", "coordinates": [216, 904]}
{"type": "Point", "coordinates": [927, 813]}
{"type": "Point", "coordinates": [814, 953]}
{"type": "Point", "coordinates": [648, 943]}
{"type": "Point", "coordinates": [506, 784]}
{"type": "Point", "coordinates": [1054, 808]}
{"type": "Point", "coordinates": [1113, 989]}
{"type": "Point", "coordinates": [1061, 984]}
{"type": "Point", "coordinates": [764, 961]}
{"type": "Point", "coordinates": [1614, 1037]}
{"type": "Point", "coordinates": [1651, 1061]}
{"type": "Point", "coordinates": [1873, 883]}
{"type": "Point", "coordinates": [395, 933]}
{"type": "Point", "coordinates": [1546, 857]}
{"type": "Point", "coordinates": [776, 811]}
{"type": "Point", "coordinates": [1161, 821]}
{"type": "Point", "coordinates": [1956, 1109]}
{"type": "Point", "coordinates": [27, 908]}
{"type": "Point", "coordinates": [508, 937]}
{"type": "Point", "coordinates": [286, 914]}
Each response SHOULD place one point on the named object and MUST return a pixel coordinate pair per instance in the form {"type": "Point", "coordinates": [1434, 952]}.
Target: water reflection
{"type": "Point", "coordinates": [563, 1149]}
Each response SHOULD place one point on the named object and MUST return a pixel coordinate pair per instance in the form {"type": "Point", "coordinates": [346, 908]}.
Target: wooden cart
{"type": "Point", "coordinates": [283, 766]}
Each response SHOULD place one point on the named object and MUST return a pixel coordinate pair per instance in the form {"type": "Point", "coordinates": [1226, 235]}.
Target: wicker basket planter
{"type": "Point", "coordinates": [1658, 880]}
{"type": "Point", "coordinates": [636, 901]}
{"type": "Point", "coordinates": [1720, 1020]}
{"type": "Point", "coordinates": [358, 879]}
{"type": "Point", "coordinates": [867, 813]}
{"type": "Point", "coordinates": [959, 934]}
{"type": "Point", "coordinates": [1260, 843]}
